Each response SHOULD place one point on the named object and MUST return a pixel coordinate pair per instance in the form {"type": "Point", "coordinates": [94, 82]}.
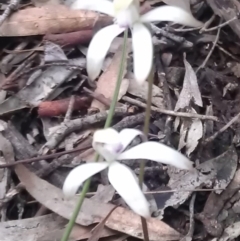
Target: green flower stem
{"type": "Point", "coordinates": [119, 81]}
{"type": "Point", "coordinates": [108, 122]}
{"type": "Point", "coordinates": [146, 122]}
{"type": "Point", "coordinates": [145, 131]}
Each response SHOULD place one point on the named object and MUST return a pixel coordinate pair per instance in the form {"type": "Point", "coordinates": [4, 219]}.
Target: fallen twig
{"type": "Point", "coordinates": [11, 7]}
{"type": "Point", "coordinates": [43, 157]}
{"type": "Point", "coordinates": [170, 112]}
{"type": "Point", "coordinates": [78, 124]}
{"type": "Point", "coordinates": [189, 235]}
{"type": "Point", "coordinates": [210, 52]}
{"type": "Point", "coordinates": [214, 136]}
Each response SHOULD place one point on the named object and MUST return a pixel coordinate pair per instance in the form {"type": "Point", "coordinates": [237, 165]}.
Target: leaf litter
{"type": "Point", "coordinates": [42, 71]}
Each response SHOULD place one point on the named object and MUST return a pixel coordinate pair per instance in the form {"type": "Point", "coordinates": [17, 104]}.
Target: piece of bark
{"type": "Point", "coordinates": [50, 19]}
{"type": "Point", "coordinates": [60, 107]}
{"type": "Point", "coordinates": [227, 9]}
{"type": "Point", "coordinates": [70, 39]}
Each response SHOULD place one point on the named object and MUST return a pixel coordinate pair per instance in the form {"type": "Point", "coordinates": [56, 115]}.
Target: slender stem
{"type": "Point", "coordinates": [146, 130]}
{"type": "Point", "coordinates": [71, 222]}
{"type": "Point", "coordinates": [119, 81]}
{"type": "Point", "coordinates": [146, 122]}
{"type": "Point", "coordinates": [86, 185]}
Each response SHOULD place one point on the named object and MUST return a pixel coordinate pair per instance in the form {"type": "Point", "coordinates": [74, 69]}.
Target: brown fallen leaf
{"type": "Point", "coordinates": [78, 233]}
{"type": "Point", "coordinates": [70, 39]}
{"type": "Point", "coordinates": [96, 232]}
{"type": "Point", "coordinates": [45, 228]}
{"type": "Point", "coordinates": [50, 19]}
{"type": "Point", "coordinates": [107, 81]}
{"type": "Point", "coordinates": [122, 220]}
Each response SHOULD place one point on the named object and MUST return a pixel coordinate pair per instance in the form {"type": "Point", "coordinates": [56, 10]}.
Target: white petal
{"type": "Point", "coordinates": [171, 13]}
{"type": "Point", "coordinates": [157, 152]}
{"type": "Point", "coordinates": [122, 179]}
{"type": "Point", "coordinates": [107, 143]}
{"type": "Point", "coordinates": [127, 135]}
{"type": "Point", "coordinates": [107, 136]}
{"type": "Point", "coordinates": [102, 6]}
{"type": "Point", "coordinates": [99, 47]}
{"type": "Point", "coordinates": [142, 52]}
{"type": "Point", "coordinates": [128, 16]}
{"type": "Point", "coordinates": [80, 174]}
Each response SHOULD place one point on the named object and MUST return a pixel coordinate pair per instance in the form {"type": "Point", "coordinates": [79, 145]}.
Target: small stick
{"type": "Point", "coordinates": [70, 109]}
{"type": "Point", "coordinates": [210, 52]}
{"type": "Point", "coordinates": [174, 190]}
{"type": "Point", "coordinates": [208, 23]}
{"type": "Point", "coordinates": [11, 7]}
{"type": "Point", "coordinates": [43, 157]}
{"type": "Point", "coordinates": [226, 52]}
{"type": "Point", "coordinates": [191, 220]}
{"type": "Point", "coordinates": [170, 112]}
{"type": "Point", "coordinates": [214, 136]}
{"type": "Point", "coordinates": [220, 25]}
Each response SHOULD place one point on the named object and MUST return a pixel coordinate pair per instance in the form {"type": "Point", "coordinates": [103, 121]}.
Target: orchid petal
{"type": "Point", "coordinates": [127, 17]}
{"type": "Point", "coordinates": [80, 174]}
{"type": "Point", "coordinates": [171, 13]}
{"type": "Point", "coordinates": [106, 136]}
{"type": "Point", "coordinates": [122, 179]}
{"type": "Point", "coordinates": [127, 136]}
{"type": "Point", "coordinates": [157, 152]}
{"type": "Point", "coordinates": [102, 6]}
{"type": "Point", "coordinates": [142, 51]}
{"type": "Point", "coordinates": [107, 143]}
{"type": "Point", "coordinates": [98, 48]}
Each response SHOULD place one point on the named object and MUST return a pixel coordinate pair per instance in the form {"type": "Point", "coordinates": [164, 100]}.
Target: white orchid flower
{"type": "Point", "coordinates": [111, 146]}
{"type": "Point", "coordinates": [126, 13]}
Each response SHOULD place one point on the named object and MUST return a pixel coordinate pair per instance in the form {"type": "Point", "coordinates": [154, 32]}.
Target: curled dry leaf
{"type": "Point", "coordinates": [121, 219]}
{"type": "Point", "coordinates": [190, 90]}
{"type": "Point", "coordinates": [195, 133]}
{"type": "Point", "coordinates": [190, 133]}
{"type": "Point", "coordinates": [221, 169]}
{"type": "Point", "coordinates": [53, 53]}
{"type": "Point", "coordinates": [108, 80]}
{"type": "Point", "coordinates": [50, 19]}
{"type": "Point", "coordinates": [217, 204]}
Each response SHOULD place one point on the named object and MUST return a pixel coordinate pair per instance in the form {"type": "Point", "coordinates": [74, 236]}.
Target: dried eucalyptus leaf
{"type": "Point", "coordinates": [190, 90]}
{"type": "Point", "coordinates": [206, 174]}
{"type": "Point", "coordinates": [53, 53]}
